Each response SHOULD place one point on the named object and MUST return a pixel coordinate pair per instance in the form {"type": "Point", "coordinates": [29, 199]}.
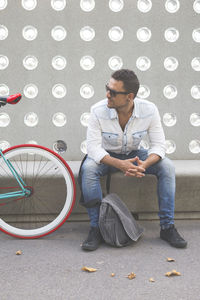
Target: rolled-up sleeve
{"type": "Point", "coordinates": [156, 135]}
{"type": "Point", "coordinates": [94, 139]}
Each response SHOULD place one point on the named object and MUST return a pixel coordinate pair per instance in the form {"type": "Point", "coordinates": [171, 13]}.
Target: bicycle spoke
{"type": "Point", "coordinates": [5, 170]}
{"type": "Point", "coordinates": [21, 166]}
{"type": "Point", "coordinates": [18, 168]}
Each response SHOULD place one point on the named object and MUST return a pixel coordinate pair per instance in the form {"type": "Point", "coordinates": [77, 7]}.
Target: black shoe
{"type": "Point", "coordinates": [93, 240]}
{"type": "Point", "coordinates": [172, 236]}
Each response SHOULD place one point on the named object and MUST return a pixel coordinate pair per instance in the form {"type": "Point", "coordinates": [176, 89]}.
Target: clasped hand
{"type": "Point", "coordinates": [130, 169]}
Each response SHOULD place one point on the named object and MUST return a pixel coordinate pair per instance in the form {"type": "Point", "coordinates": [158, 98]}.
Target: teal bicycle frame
{"type": "Point", "coordinates": [24, 192]}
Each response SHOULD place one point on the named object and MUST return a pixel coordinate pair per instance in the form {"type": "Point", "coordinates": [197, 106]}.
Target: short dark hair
{"type": "Point", "coordinates": [129, 79]}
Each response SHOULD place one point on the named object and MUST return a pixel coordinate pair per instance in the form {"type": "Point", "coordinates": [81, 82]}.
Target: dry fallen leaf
{"type": "Point", "coordinates": [19, 252]}
{"type": "Point", "coordinates": [88, 269]}
{"type": "Point", "coordinates": [170, 259]}
{"type": "Point", "coordinates": [151, 279]}
{"type": "Point", "coordinates": [112, 274]}
{"type": "Point", "coordinates": [131, 275]}
{"type": "Point", "coordinates": [173, 273]}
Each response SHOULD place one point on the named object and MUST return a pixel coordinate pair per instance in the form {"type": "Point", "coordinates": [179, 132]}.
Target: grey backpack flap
{"type": "Point", "coordinates": [116, 223]}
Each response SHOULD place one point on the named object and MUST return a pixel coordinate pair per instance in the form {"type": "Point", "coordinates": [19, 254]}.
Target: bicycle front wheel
{"type": "Point", "coordinates": [52, 186]}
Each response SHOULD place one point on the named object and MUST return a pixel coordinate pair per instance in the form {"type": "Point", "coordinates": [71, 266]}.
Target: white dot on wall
{"type": "Point", "coordinates": [144, 144]}
{"type": "Point", "coordinates": [143, 34]}
{"type": "Point", "coordinates": [59, 119]}
{"type": "Point", "coordinates": [30, 91]}
{"type": "Point", "coordinates": [170, 63]}
{"type": "Point", "coordinates": [87, 5]}
{"type": "Point", "coordinates": [87, 33]}
{"type": "Point", "coordinates": [84, 119]}
{"type": "Point", "coordinates": [195, 91]}
{"type": "Point", "coordinates": [116, 34]}
{"type": "Point", "coordinates": [144, 5]}
{"type": "Point", "coordinates": [29, 33]}
{"type": "Point", "coordinates": [172, 6]}
{"type": "Point", "coordinates": [115, 63]}
{"type": "Point", "coordinates": [59, 91]}
{"type": "Point", "coordinates": [143, 92]}
{"type": "Point", "coordinates": [58, 4]}
{"type": "Point", "coordinates": [4, 120]}
{"type": "Point", "coordinates": [3, 4]}
{"type": "Point", "coordinates": [195, 63]}
{"type": "Point", "coordinates": [4, 90]}
{"type": "Point", "coordinates": [83, 147]}
{"type": "Point", "coordinates": [4, 62]}
{"type": "Point", "coordinates": [58, 33]}
{"type": "Point", "coordinates": [195, 119]}
{"type": "Point", "coordinates": [196, 35]}
{"type": "Point", "coordinates": [170, 91]}
{"type": "Point", "coordinates": [194, 146]}
{"type": "Point", "coordinates": [29, 4]}
{"type": "Point", "coordinates": [87, 62]}
{"type": "Point", "coordinates": [3, 32]}
{"type": "Point", "coordinates": [116, 5]}
{"type": "Point", "coordinates": [87, 91]}
{"type": "Point", "coordinates": [196, 6]}
{"type": "Point", "coordinates": [31, 119]}
{"type": "Point", "coordinates": [170, 146]}
{"type": "Point", "coordinates": [59, 62]}
{"type": "Point", "coordinates": [30, 62]}
{"type": "Point", "coordinates": [4, 145]}
{"type": "Point", "coordinates": [143, 63]}
{"type": "Point", "coordinates": [169, 119]}
{"type": "Point", "coordinates": [171, 34]}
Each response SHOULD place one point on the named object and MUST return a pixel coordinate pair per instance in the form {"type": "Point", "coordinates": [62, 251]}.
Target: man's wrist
{"type": "Point", "coordinates": [111, 161]}
{"type": "Point", "coordinates": [151, 159]}
{"type": "Point", "coordinates": [145, 164]}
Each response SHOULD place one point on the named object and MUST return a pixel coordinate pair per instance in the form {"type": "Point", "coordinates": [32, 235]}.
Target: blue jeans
{"type": "Point", "coordinates": [163, 170]}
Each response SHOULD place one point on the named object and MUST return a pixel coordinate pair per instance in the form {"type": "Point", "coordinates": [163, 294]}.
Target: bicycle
{"type": "Point", "coordinates": [37, 176]}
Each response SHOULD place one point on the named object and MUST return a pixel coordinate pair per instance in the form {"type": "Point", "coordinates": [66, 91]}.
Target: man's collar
{"type": "Point", "coordinates": [135, 113]}
{"type": "Point", "coordinates": [136, 108]}
{"type": "Point", "coordinates": [113, 113]}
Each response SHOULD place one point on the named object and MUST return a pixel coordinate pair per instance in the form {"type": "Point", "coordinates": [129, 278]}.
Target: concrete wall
{"type": "Point", "coordinates": [101, 18]}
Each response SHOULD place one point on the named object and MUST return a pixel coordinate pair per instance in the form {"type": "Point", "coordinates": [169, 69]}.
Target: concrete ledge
{"type": "Point", "coordinates": [140, 194]}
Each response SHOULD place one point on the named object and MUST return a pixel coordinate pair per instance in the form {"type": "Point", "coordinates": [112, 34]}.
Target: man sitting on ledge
{"type": "Point", "coordinates": [116, 127]}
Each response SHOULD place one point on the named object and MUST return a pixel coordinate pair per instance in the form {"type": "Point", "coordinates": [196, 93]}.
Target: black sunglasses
{"type": "Point", "coordinates": [114, 93]}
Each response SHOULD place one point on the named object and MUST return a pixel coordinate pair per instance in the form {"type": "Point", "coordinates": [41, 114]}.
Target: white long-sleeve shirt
{"type": "Point", "coordinates": [105, 133]}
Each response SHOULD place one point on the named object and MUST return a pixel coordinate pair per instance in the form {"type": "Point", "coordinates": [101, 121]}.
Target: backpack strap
{"type": "Point", "coordinates": [80, 181]}
{"type": "Point", "coordinates": [108, 181]}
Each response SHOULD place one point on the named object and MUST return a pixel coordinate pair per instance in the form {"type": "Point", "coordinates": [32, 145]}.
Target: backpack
{"type": "Point", "coordinates": [117, 225]}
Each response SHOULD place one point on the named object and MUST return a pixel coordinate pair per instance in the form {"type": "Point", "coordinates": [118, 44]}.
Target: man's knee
{"type": "Point", "coordinates": [89, 167]}
{"type": "Point", "coordinates": [166, 165]}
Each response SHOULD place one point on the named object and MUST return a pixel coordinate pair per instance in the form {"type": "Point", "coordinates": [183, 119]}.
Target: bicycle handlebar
{"type": "Point", "coordinates": [12, 99]}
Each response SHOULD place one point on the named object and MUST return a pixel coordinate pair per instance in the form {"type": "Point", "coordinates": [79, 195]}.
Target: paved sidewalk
{"type": "Point", "coordinates": [50, 267]}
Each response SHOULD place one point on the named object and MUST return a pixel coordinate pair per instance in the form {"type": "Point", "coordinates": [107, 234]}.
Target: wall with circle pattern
{"type": "Point", "coordinates": [60, 53]}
